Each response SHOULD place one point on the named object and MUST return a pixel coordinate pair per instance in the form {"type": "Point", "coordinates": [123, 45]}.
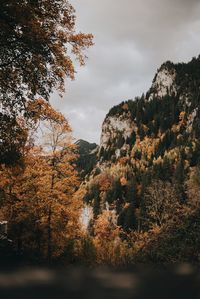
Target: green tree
{"type": "Point", "coordinates": [127, 218]}
{"type": "Point", "coordinates": [179, 179]}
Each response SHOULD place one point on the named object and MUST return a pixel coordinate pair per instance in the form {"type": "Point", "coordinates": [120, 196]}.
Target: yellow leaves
{"type": "Point", "coordinates": [117, 170]}
{"type": "Point", "coordinates": [127, 205]}
{"type": "Point", "coordinates": [47, 181]}
{"type": "Point", "coordinates": [179, 136]}
{"type": "Point", "coordinates": [159, 160]}
{"type": "Point", "coordinates": [78, 43]}
{"type": "Point", "coordinates": [173, 154]}
{"type": "Point", "coordinates": [139, 189]}
{"type": "Point", "coordinates": [182, 121]}
{"type": "Point", "coordinates": [45, 37]}
{"type": "Point", "coordinates": [104, 180]}
{"type": "Point", "coordinates": [61, 73]}
{"type": "Point", "coordinates": [123, 160]}
{"type": "Point", "coordinates": [182, 117]}
{"type": "Point", "coordinates": [123, 181]}
{"type": "Point", "coordinates": [106, 240]}
{"type": "Point", "coordinates": [146, 148]}
{"type": "Point", "coordinates": [186, 164]}
{"type": "Point", "coordinates": [42, 110]}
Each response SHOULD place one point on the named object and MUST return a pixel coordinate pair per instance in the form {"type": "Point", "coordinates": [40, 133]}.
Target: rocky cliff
{"type": "Point", "coordinates": [153, 137]}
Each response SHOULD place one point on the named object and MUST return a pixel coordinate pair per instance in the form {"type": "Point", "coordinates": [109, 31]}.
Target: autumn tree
{"type": "Point", "coordinates": [13, 137]}
{"type": "Point", "coordinates": [60, 153]}
{"type": "Point", "coordinates": [106, 237]}
{"type": "Point", "coordinates": [41, 203]}
{"type": "Point", "coordinates": [38, 41]}
{"type": "Point", "coordinates": [160, 203]}
{"type": "Point", "coordinates": [24, 203]}
{"type": "Point", "coordinates": [193, 188]}
{"type": "Point", "coordinates": [39, 44]}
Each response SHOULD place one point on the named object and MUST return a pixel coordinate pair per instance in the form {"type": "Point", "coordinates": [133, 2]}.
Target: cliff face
{"type": "Point", "coordinates": [164, 82]}
{"type": "Point", "coordinates": [175, 89]}
{"type": "Point", "coordinates": [152, 137]}
{"type": "Point", "coordinates": [117, 130]}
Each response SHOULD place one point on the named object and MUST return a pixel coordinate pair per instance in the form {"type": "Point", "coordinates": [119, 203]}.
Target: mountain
{"type": "Point", "coordinates": [153, 138]}
{"type": "Point", "coordinates": [172, 99]}
{"type": "Point", "coordinates": [87, 156]}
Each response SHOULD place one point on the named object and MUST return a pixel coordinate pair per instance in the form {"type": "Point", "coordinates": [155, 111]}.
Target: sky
{"type": "Point", "coordinates": [132, 39]}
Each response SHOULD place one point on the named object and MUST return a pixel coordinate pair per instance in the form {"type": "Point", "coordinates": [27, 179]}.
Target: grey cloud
{"type": "Point", "coordinates": [132, 39]}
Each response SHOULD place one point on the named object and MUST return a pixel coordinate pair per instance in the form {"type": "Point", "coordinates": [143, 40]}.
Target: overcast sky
{"type": "Point", "coordinates": [132, 39]}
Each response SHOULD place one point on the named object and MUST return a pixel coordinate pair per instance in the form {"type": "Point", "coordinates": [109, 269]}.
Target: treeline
{"type": "Point", "coordinates": [148, 185]}
{"type": "Point", "coordinates": [38, 45]}
{"type": "Point", "coordinates": [162, 230]}
{"type": "Point", "coordinates": [38, 191]}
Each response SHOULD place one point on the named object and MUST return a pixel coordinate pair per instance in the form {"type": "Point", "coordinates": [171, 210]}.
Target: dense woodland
{"type": "Point", "coordinates": [39, 181]}
{"type": "Point", "coordinates": [145, 201]}
{"type": "Point", "coordinates": [149, 187]}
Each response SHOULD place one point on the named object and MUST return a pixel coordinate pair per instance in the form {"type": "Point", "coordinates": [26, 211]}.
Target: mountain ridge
{"type": "Point", "coordinates": [154, 137]}
{"type": "Point", "coordinates": [87, 156]}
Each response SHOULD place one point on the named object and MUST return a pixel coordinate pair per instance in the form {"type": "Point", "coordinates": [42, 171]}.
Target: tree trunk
{"type": "Point", "coordinates": [49, 236]}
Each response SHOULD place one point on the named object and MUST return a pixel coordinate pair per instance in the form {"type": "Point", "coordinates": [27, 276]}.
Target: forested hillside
{"type": "Point", "coordinates": [87, 157]}
{"type": "Point", "coordinates": [148, 166]}
{"type": "Point", "coordinates": [39, 206]}
{"type": "Point", "coordinates": [133, 199]}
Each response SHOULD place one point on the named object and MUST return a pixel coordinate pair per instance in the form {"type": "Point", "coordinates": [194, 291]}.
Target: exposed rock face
{"type": "Point", "coordinates": [156, 136]}
{"type": "Point", "coordinates": [119, 130]}
{"type": "Point", "coordinates": [114, 125]}
{"type": "Point", "coordinates": [116, 131]}
{"type": "Point", "coordinates": [121, 127]}
{"type": "Point", "coordinates": [86, 216]}
{"type": "Point", "coordinates": [164, 82]}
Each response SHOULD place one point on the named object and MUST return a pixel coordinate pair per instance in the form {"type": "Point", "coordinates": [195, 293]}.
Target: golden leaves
{"type": "Point", "coordinates": [104, 180]}
{"type": "Point", "coordinates": [40, 44]}
{"type": "Point", "coordinates": [123, 181]}
{"type": "Point", "coordinates": [42, 110]}
{"type": "Point", "coordinates": [47, 181]}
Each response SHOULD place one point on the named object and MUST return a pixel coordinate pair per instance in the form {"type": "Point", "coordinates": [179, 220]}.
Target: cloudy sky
{"type": "Point", "coordinates": [132, 39]}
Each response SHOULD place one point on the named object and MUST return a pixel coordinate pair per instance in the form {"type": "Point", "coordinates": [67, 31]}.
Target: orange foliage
{"type": "Point", "coordinates": [40, 200]}
{"type": "Point", "coordinates": [39, 43]}
{"type": "Point", "coordinates": [123, 181]}
{"type": "Point", "coordinates": [104, 180]}
{"type": "Point", "coordinates": [123, 160]}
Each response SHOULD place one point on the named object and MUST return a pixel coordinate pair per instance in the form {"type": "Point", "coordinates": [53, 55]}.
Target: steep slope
{"type": "Point", "coordinates": [175, 89]}
{"type": "Point", "coordinates": [87, 156]}
{"type": "Point", "coordinates": [154, 137]}
{"type": "Point", "coordinates": [181, 245]}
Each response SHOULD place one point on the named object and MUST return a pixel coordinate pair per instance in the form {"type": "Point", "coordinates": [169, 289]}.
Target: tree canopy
{"type": "Point", "coordinates": [38, 42]}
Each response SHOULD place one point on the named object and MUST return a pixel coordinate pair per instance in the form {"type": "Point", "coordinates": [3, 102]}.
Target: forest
{"type": "Point", "coordinates": [145, 201]}
{"type": "Point", "coordinates": [40, 200]}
